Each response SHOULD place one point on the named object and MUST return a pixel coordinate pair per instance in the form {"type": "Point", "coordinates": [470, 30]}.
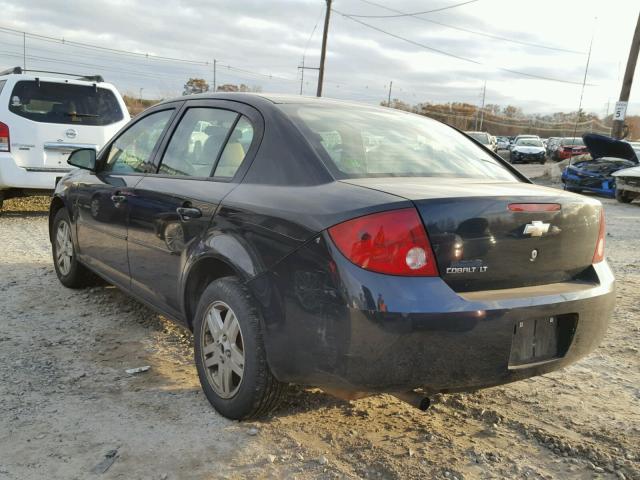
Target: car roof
{"type": "Point", "coordinates": [257, 99]}
{"type": "Point", "coordinates": [44, 78]}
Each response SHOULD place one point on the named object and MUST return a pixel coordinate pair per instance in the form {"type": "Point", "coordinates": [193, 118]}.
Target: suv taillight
{"type": "Point", "coordinates": [393, 242]}
{"type": "Point", "coordinates": [4, 137]}
{"type": "Point", "coordinates": [598, 255]}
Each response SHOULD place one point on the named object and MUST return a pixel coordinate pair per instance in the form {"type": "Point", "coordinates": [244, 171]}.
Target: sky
{"type": "Point", "coordinates": [448, 57]}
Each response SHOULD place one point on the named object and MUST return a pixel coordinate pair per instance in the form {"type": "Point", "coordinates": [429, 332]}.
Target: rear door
{"type": "Point", "coordinates": [48, 120]}
{"type": "Point", "coordinates": [102, 199]}
{"type": "Point", "coordinates": [170, 210]}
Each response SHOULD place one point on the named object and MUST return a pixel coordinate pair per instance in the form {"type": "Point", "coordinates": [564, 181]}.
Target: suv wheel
{"type": "Point", "coordinates": [70, 272]}
{"type": "Point", "coordinates": [229, 352]}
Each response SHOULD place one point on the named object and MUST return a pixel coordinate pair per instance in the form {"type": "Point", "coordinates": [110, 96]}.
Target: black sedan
{"type": "Point", "coordinates": [354, 248]}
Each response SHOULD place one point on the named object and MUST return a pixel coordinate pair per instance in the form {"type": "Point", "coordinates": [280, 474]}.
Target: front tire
{"type": "Point", "coordinates": [623, 197]}
{"type": "Point", "coordinates": [70, 272]}
{"type": "Point", "coordinates": [229, 352]}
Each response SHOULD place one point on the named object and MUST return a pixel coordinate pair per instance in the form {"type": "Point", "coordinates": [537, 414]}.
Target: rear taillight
{"type": "Point", "coordinates": [598, 255]}
{"type": "Point", "coordinates": [4, 137]}
{"type": "Point", "coordinates": [393, 242]}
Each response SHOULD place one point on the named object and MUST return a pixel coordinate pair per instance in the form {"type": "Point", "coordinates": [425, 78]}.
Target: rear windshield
{"type": "Point", "coordinates": [360, 142]}
{"type": "Point", "coordinates": [572, 141]}
{"type": "Point", "coordinates": [51, 102]}
{"type": "Point", "coordinates": [480, 137]}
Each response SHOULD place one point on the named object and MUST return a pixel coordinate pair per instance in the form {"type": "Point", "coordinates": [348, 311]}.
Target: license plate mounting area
{"type": "Point", "coordinates": [537, 340]}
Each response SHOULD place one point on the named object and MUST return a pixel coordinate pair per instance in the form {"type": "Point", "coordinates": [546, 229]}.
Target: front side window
{"type": "Point", "coordinates": [360, 142]}
{"type": "Point", "coordinates": [197, 142]}
{"type": "Point", "coordinates": [132, 150]}
{"type": "Point", "coordinates": [66, 103]}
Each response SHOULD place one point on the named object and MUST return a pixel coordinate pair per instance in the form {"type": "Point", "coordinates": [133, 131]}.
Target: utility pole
{"type": "Point", "coordinates": [302, 69]}
{"type": "Point", "coordinates": [302, 75]}
{"type": "Point", "coordinates": [24, 50]}
{"type": "Point", "coordinates": [621, 106]}
{"type": "Point", "coordinates": [214, 74]}
{"type": "Point", "coordinates": [389, 98]}
{"type": "Point", "coordinates": [324, 48]}
{"type": "Point", "coordinates": [484, 94]}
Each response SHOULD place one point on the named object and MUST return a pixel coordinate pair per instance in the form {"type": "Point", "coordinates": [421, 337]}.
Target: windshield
{"type": "Point", "coordinates": [51, 102]}
{"type": "Point", "coordinates": [480, 137]}
{"type": "Point", "coordinates": [529, 142]}
{"type": "Point", "coordinates": [572, 141]}
{"type": "Point", "coordinates": [357, 142]}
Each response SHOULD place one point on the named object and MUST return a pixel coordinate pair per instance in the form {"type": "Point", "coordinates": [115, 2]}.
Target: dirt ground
{"type": "Point", "coordinates": [69, 410]}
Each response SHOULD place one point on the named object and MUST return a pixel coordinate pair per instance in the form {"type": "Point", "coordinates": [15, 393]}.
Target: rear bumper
{"type": "Point", "coordinates": [334, 325]}
{"type": "Point", "coordinates": [14, 177]}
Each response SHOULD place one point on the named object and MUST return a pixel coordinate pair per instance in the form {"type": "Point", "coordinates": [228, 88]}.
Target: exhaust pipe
{"type": "Point", "coordinates": [414, 399]}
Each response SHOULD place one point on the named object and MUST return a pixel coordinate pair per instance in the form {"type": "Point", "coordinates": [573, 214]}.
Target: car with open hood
{"type": "Point", "coordinates": [597, 174]}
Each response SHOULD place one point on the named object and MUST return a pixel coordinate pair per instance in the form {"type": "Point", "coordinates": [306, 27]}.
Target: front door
{"type": "Point", "coordinates": [171, 210]}
{"type": "Point", "coordinates": [102, 198]}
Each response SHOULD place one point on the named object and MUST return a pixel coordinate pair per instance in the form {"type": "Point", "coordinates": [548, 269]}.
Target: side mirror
{"type": "Point", "coordinates": [84, 158]}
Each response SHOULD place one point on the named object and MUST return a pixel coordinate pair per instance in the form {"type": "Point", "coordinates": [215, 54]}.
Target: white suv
{"type": "Point", "coordinates": [43, 119]}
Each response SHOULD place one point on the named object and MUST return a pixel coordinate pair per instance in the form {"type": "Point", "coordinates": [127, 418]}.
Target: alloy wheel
{"type": "Point", "coordinates": [64, 248]}
{"type": "Point", "coordinates": [223, 349]}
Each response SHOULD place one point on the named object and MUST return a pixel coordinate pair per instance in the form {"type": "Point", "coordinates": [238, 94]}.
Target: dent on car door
{"type": "Point", "coordinates": [172, 209]}
{"type": "Point", "coordinates": [102, 197]}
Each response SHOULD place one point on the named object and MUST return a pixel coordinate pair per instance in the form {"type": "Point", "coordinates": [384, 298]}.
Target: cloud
{"type": "Point", "coordinates": [269, 38]}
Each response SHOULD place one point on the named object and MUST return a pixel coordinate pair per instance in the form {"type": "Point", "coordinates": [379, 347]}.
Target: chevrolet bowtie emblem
{"type": "Point", "coordinates": [536, 228]}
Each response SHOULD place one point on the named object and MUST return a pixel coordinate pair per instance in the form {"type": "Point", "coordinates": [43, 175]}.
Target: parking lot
{"type": "Point", "coordinates": [69, 409]}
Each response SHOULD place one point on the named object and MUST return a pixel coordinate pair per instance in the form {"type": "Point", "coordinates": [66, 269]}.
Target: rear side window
{"type": "Point", "coordinates": [2, 82]}
{"type": "Point", "coordinates": [197, 141]}
{"type": "Point", "coordinates": [360, 142]}
{"type": "Point", "coordinates": [235, 150]}
{"type": "Point", "coordinates": [131, 151]}
{"type": "Point", "coordinates": [66, 103]}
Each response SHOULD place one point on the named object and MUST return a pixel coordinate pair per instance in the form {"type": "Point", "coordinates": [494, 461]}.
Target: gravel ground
{"type": "Point", "coordinates": [69, 410]}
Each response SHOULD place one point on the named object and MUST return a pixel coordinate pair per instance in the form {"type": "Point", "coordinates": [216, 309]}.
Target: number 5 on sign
{"type": "Point", "coordinates": [620, 111]}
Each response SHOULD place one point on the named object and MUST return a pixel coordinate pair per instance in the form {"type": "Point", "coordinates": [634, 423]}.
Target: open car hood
{"type": "Point", "coordinates": [603, 146]}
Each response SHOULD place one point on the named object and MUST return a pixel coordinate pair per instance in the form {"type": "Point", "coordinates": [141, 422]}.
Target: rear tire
{"type": "Point", "coordinates": [624, 197]}
{"type": "Point", "coordinates": [70, 272]}
{"type": "Point", "coordinates": [224, 350]}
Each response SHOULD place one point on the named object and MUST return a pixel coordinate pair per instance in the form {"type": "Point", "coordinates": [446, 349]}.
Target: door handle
{"type": "Point", "coordinates": [187, 213]}
{"type": "Point", "coordinates": [117, 198]}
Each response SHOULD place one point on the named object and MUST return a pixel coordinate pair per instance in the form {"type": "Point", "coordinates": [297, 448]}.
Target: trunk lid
{"type": "Point", "coordinates": [480, 244]}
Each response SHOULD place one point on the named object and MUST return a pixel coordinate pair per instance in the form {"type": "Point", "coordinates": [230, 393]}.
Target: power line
{"type": "Point", "coordinates": [452, 55]}
{"type": "Point", "coordinates": [129, 53]}
{"type": "Point", "coordinates": [467, 30]}
{"type": "Point", "coordinates": [401, 14]}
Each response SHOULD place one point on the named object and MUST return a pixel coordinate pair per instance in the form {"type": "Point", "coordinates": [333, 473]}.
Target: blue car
{"type": "Point", "coordinates": [609, 156]}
